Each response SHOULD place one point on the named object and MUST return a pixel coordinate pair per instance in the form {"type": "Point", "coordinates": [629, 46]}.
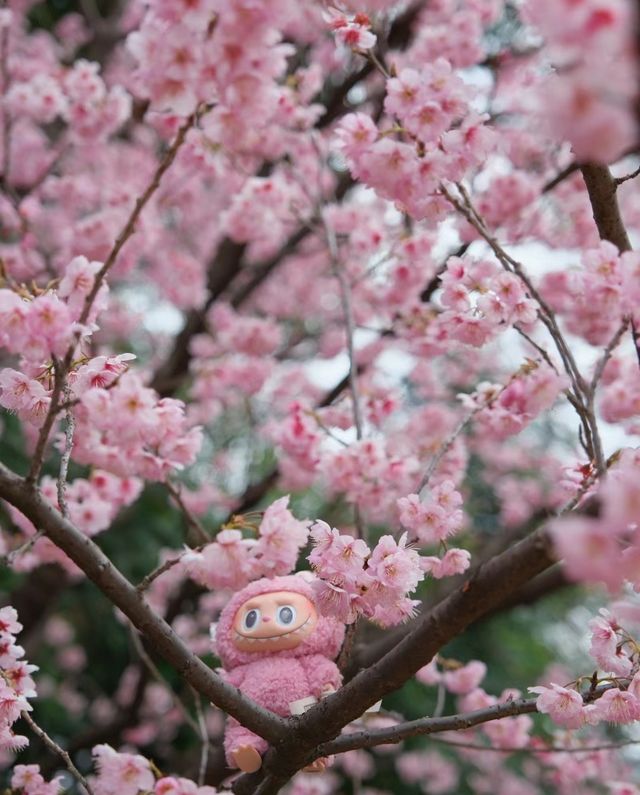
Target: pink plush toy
{"type": "Point", "coordinates": [279, 651]}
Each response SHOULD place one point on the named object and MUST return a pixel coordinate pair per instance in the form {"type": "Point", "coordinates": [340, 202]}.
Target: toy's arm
{"type": "Point", "coordinates": [323, 674]}
{"type": "Point", "coordinates": [234, 677]}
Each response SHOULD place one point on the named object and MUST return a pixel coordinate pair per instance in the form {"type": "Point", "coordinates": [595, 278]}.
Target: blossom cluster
{"type": "Point", "coordinates": [230, 56]}
{"type": "Point", "coordinates": [566, 707]}
{"type": "Point", "coordinates": [355, 580]}
{"type": "Point", "coordinates": [27, 780]}
{"type": "Point", "coordinates": [77, 95]}
{"type": "Point", "coordinates": [44, 325]}
{"type": "Point", "coordinates": [410, 173]}
{"type": "Point", "coordinates": [605, 549]}
{"type": "Point", "coordinates": [352, 31]}
{"type": "Point", "coordinates": [118, 773]}
{"type": "Point", "coordinates": [230, 246]}
{"type": "Point", "coordinates": [16, 684]}
{"type": "Point", "coordinates": [92, 504]}
{"type": "Point", "coordinates": [231, 561]}
{"type": "Point", "coordinates": [507, 410]}
{"type": "Point", "coordinates": [588, 99]}
{"type": "Point", "coordinates": [431, 522]}
{"type": "Point", "coordinates": [125, 428]}
{"type": "Point", "coordinates": [593, 298]}
{"type": "Point", "coordinates": [617, 698]}
{"type": "Point", "coordinates": [480, 299]}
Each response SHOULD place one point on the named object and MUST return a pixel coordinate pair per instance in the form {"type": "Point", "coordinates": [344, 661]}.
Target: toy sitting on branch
{"type": "Point", "coordinates": [279, 650]}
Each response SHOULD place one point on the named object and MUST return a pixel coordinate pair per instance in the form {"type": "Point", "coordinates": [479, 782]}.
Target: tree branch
{"type": "Point", "coordinates": [53, 746]}
{"type": "Point", "coordinates": [422, 726]}
{"type": "Point", "coordinates": [161, 638]}
{"type": "Point", "coordinates": [602, 190]}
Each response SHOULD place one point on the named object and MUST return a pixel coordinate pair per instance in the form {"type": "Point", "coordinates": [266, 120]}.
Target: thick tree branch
{"type": "Point", "coordinates": [490, 585]}
{"type": "Point", "coordinates": [602, 190]}
{"type": "Point", "coordinates": [120, 592]}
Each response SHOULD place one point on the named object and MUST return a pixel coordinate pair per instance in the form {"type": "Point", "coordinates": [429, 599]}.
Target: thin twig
{"type": "Point", "coordinates": [61, 369]}
{"type": "Point", "coordinates": [423, 726]}
{"type": "Point", "coordinates": [440, 701]}
{"type": "Point", "coordinates": [10, 557]}
{"type": "Point", "coordinates": [66, 456]}
{"type": "Point", "coordinates": [546, 315]}
{"type": "Point", "coordinates": [560, 177]}
{"type": "Point", "coordinates": [155, 672]}
{"type": "Point", "coordinates": [347, 311]}
{"type": "Point", "coordinates": [204, 736]}
{"type": "Point", "coordinates": [535, 345]}
{"type": "Point", "coordinates": [558, 749]}
{"type": "Point", "coordinates": [448, 444]}
{"type": "Point", "coordinates": [509, 263]}
{"type": "Point", "coordinates": [146, 581]}
{"type": "Point", "coordinates": [608, 351]}
{"type": "Point", "coordinates": [621, 180]}
{"type": "Point", "coordinates": [43, 437]}
{"type": "Point", "coordinates": [192, 520]}
{"type": "Point", "coordinates": [130, 226]}
{"type": "Point", "coordinates": [53, 746]}
{"type": "Point", "coordinates": [6, 119]}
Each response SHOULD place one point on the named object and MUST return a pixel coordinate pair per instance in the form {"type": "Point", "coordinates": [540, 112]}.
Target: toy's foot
{"type": "Point", "coordinates": [318, 765]}
{"type": "Point", "coordinates": [247, 758]}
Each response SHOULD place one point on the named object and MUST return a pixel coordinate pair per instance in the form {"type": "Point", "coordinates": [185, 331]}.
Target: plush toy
{"type": "Point", "coordinates": [279, 651]}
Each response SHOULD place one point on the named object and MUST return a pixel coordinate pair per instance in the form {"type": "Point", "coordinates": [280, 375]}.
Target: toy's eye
{"type": "Point", "coordinates": [251, 619]}
{"type": "Point", "coordinates": [286, 615]}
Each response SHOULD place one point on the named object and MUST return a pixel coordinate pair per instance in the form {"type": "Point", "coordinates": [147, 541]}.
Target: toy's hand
{"type": "Point", "coordinates": [327, 690]}
{"type": "Point", "coordinates": [247, 758]}
{"type": "Point", "coordinates": [318, 765]}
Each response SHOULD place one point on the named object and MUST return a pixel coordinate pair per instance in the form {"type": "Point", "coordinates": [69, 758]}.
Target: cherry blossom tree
{"type": "Point", "coordinates": [347, 289]}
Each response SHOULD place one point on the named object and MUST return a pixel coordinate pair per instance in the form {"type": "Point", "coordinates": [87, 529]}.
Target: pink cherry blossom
{"type": "Point", "coordinates": [565, 707]}
{"type": "Point", "coordinates": [121, 772]}
{"type": "Point", "coordinates": [466, 678]}
{"type": "Point", "coordinates": [617, 706]}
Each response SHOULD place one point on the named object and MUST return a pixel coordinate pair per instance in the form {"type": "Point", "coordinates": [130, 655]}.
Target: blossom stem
{"type": "Point", "coordinates": [53, 746]}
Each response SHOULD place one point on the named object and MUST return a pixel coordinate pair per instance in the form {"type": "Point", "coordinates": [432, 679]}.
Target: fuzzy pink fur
{"type": "Point", "coordinates": [275, 679]}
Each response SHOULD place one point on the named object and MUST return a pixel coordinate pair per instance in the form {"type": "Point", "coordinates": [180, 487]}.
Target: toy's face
{"type": "Point", "coordinates": [274, 622]}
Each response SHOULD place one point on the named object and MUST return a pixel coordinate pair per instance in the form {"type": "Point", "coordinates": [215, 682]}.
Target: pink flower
{"type": "Point", "coordinates": [355, 133]}
{"type": "Point", "coordinates": [590, 550]}
{"type": "Point", "coordinates": [225, 563]}
{"type": "Point", "coordinates": [335, 601]}
{"type": "Point", "coordinates": [77, 282]}
{"type": "Point", "coordinates": [434, 519]}
{"type": "Point", "coordinates": [429, 674]}
{"type": "Point", "coordinates": [617, 706]}
{"type": "Point", "coordinates": [281, 536]}
{"type": "Point", "coordinates": [121, 774]}
{"type": "Point", "coordinates": [604, 646]}
{"type": "Point", "coordinates": [335, 556]}
{"type": "Point", "coordinates": [353, 32]}
{"type": "Point", "coordinates": [466, 678]}
{"type": "Point", "coordinates": [394, 565]}
{"type": "Point", "coordinates": [49, 321]}
{"type": "Point", "coordinates": [9, 620]}
{"type": "Point", "coordinates": [564, 707]}
{"type": "Point", "coordinates": [28, 779]}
